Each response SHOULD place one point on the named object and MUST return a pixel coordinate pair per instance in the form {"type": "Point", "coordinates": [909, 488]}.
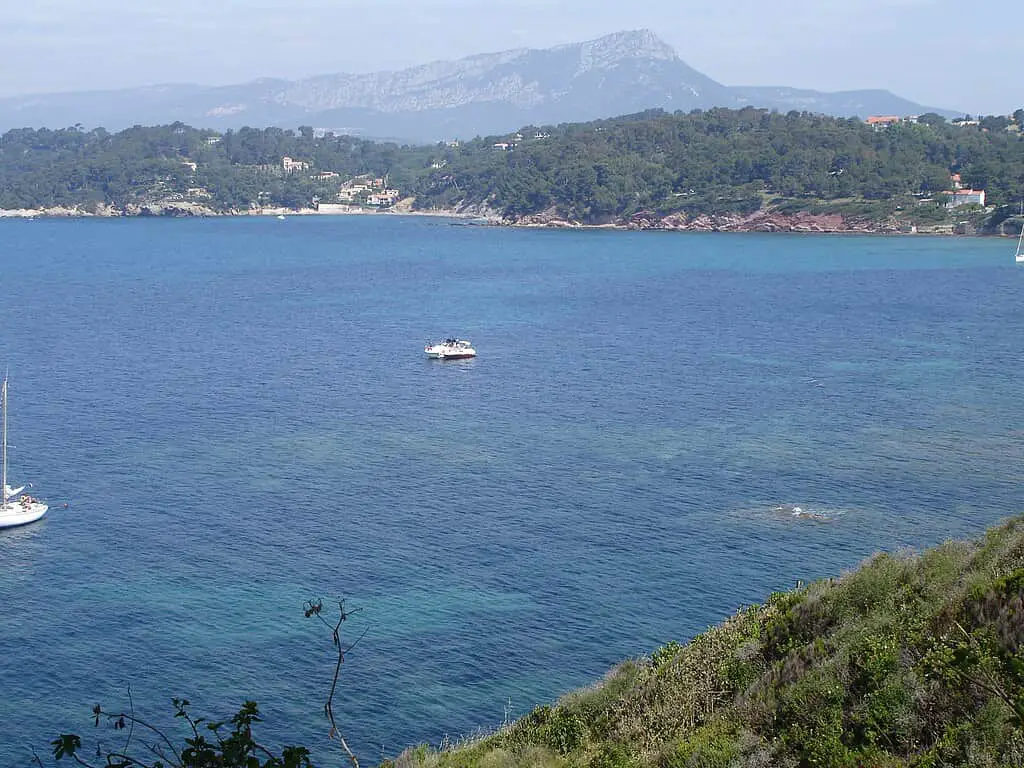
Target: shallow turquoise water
{"type": "Point", "coordinates": [239, 416]}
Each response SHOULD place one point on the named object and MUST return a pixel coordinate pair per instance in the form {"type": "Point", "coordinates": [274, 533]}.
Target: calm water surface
{"type": "Point", "coordinates": [239, 416]}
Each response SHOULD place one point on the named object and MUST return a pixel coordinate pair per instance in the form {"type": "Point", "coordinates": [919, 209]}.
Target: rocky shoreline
{"type": "Point", "coordinates": [760, 221]}
{"type": "Point", "coordinates": [174, 210]}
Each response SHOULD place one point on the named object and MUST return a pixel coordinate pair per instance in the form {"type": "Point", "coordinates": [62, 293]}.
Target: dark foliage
{"type": "Point", "coordinates": [719, 161]}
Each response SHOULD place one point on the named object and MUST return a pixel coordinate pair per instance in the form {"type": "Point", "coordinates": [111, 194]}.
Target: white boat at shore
{"type": "Point", "coordinates": [15, 510]}
{"type": "Point", "coordinates": [450, 349]}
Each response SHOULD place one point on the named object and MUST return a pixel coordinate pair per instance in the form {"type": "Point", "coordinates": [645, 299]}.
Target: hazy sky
{"type": "Point", "coordinates": [947, 53]}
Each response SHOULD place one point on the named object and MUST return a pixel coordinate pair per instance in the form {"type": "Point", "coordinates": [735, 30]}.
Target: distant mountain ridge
{"type": "Point", "coordinates": [485, 94]}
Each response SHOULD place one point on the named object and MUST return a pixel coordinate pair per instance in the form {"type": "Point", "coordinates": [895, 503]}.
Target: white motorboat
{"type": "Point", "coordinates": [450, 349]}
{"type": "Point", "coordinates": [15, 509]}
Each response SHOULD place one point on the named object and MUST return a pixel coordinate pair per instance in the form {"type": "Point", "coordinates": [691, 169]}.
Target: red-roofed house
{"type": "Point", "coordinates": [879, 122]}
{"type": "Point", "coordinates": [966, 197]}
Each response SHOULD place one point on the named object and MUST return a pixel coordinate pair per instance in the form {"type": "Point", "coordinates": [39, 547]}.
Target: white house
{"type": "Point", "coordinates": [966, 197]}
{"type": "Point", "coordinates": [387, 197]}
{"type": "Point", "coordinates": [289, 165]}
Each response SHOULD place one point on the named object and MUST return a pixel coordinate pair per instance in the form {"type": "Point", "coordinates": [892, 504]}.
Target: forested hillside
{"type": "Point", "coordinates": [725, 160]}
{"type": "Point", "coordinates": [714, 162]}
{"type": "Point", "coordinates": [71, 167]}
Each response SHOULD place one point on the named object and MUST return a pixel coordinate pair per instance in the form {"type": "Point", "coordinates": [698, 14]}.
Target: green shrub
{"type": "Point", "coordinates": [527, 729]}
{"type": "Point", "coordinates": [537, 756]}
{"type": "Point", "coordinates": [871, 587]}
{"type": "Point", "coordinates": [613, 755]}
{"type": "Point", "coordinates": [665, 654]}
{"type": "Point", "coordinates": [711, 746]}
{"type": "Point", "coordinates": [809, 718]}
{"type": "Point", "coordinates": [564, 731]}
{"type": "Point", "coordinates": [498, 758]}
{"type": "Point", "coordinates": [594, 704]}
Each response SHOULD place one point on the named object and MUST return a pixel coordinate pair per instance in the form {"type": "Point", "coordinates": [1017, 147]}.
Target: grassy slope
{"type": "Point", "coordinates": [909, 660]}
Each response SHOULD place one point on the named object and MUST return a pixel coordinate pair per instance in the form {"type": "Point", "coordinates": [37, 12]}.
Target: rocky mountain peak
{"type": "Point", "coordinates": [485, 94]}
{"type": "Point", "coordinates": [631, 44]}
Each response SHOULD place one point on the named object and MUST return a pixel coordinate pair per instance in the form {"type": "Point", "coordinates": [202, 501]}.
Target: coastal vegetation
{"type": "Point", "coordinates": [906, 661]}
{"type": "Point", "coordinates": [647, 166]}
{"type": "Point", "coordinates": [727, 161]}
{"type": "Point", "coordinates": [909, 660]}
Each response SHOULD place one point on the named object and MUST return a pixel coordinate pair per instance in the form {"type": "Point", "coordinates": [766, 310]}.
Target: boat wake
{"type": "Point", "coordinates": [806, 513]}
{"type": "Point", "coordinates": [800, 512]}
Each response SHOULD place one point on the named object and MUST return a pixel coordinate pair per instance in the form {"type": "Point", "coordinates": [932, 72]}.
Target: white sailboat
{"type": "Point", "coordinates": [1019, 258]}
{"type": "Point", "coordinates": [14, 509]}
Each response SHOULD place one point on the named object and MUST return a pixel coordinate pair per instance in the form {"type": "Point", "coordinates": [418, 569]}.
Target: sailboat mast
{"type": "Point", "coordinates": [1020, 241]}
{"type": "Point", "coordinates": [3, 481]}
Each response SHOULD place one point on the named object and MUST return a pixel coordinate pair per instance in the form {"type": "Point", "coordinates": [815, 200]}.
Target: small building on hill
{"type": "Point", "coordinates": [961, 197]}
{"type": "Point", "coordinates": [288, 165]}
{"type": "Point", "coordinates": [881, 122]}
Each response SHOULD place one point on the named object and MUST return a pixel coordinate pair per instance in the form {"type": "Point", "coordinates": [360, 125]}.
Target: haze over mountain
{"type": "Point", "coordinates": [484, 94]}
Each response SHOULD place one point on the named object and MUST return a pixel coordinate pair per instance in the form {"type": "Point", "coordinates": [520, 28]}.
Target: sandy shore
{"type": "Point", "coordinates": [186, 210]}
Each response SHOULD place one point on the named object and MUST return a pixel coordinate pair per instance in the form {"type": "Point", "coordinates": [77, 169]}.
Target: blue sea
{"type": "Point", "coordinates": [239, 415]}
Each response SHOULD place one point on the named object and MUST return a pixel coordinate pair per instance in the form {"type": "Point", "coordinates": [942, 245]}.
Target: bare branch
{"type": "Point", "coordinates": [80, 761]}
{"type": "Point", "coordinates": [151, 728]}
{"type": "Point", "coordinates": [131, 723]}
{"type": "Point", "coordinates": [265, 751]}
{"type": "Point", "coordinates": [314, 608]}
{"type": "Point", "coordinates": [126, 759]}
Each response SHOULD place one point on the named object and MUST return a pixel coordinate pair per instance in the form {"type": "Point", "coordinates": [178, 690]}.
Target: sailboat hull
{"type": "Point", "coordinates": [13, 514]}
{"type": "Point", "coordinates": [13, 511]}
